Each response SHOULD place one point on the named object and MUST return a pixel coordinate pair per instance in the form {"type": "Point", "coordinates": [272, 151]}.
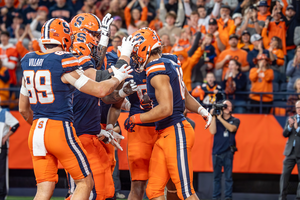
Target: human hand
{"type": "Point", "coordinates": [220, 115]}
{"type": "Point", "coordinates": [4, 139]}
{"type": "Point", "coordinates": [128, 88]}
{"type": "Point", "coordinates": [216, 91]}
{"type": "Point", "coordinates": [114, 137]}
{"type": "Point", "coordinates": [267, 22]}
{"type": "Point", "coordinates": [227, 57]}
{"type": "Point", "coordinates": [206, 116]}
{"type": "Point", "coordinates": [216, 34]}
{"type": "Point", "coordinates": [237, 21]}
{"type": "Point", "coordinates": [106, 22]}
{"type": "Point", "coordinates": [122, 73]}
{"type": "Point", "coordinates": [146, 103]}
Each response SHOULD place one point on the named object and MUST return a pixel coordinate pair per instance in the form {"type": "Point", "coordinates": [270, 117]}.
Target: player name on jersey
{"type": "Point", "coordinates": [36, 62]}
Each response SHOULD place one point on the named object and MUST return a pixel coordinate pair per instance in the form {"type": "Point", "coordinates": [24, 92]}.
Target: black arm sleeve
{"type": "Point", "coordinates": [120, 63]}
{"type": "Point", "coordinates": [195, 45]}
{"type": "Point", "coordinates": [15, 127]}
{"type": "Point", "coordinates": [102, 75]}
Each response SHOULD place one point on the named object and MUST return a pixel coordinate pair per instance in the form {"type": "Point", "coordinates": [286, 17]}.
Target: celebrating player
{"type": "Point", "coordinates": [46, 103]}
{"type": "Point", "coordinates": [171, 155]}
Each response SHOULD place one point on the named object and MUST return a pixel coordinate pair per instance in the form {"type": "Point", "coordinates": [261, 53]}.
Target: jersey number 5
{"type": "Point", "coordinates": [39, 86]}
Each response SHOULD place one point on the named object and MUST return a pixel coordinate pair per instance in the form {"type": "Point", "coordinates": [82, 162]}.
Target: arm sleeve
{"type": "Point", "coordinates": [69, 63]}
{"type": "Point", "coordinates": [187, 9]}
{"type": "Point", "coordinates": [144, 14]}
{"type": "Point", "coordinates": [195, 57]}
{"type": "Point", "coordinates": [253, 75]}
{"type": "Point", "coordinates": [216, 10]}
{"type": "Point", "coordinates": [36, 45]}
{"type": "Point", "coordinates": [33, 25]}
{"type": "Point", "coordinates": [290, 69]}
{"type": "Point", "coordinates": [266, 39]}
{"type": "Point", "coordinates": [21, 49]}
{"type": "Point", "coordinates": [280, 58]}
{"type": "Point", "coordinates": [269, 75]}
{"type": "Point", "coordinates": [195, 44]}
{"type": "Point", "coordinates": [289, 128]}
{"type": "Point", "coordinates": [127, 16]}
{"type": "Point", "coordinates": [180, 15]}
{"type": "Point", "coordinates": [236, 122]}
{"type": "Point", "coordinates": [162, 12]}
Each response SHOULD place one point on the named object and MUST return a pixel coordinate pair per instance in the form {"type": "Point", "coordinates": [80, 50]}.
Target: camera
{"type": "Point", "coordinates": [217, 108]}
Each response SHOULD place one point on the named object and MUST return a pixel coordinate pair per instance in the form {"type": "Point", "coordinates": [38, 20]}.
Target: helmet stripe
{"type": "Point", "coordinates": [47, 29]}
{"type": "Point", "coordinates": [99, 23]}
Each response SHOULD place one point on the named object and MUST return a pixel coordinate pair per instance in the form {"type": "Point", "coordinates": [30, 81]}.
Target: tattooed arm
{"type": "Point", "coordinates": [100, 56]}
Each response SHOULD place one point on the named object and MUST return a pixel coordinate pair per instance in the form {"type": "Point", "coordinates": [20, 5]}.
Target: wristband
{"type": "Point", "coordinates": [103, 41]}
{"type": "Point", "coordinates": [81, 81]}
{"type": "Point", "coordinates": [199, 110]}
{"type": "Point", "coordinates": [137, 119]}
{"type": "Point", "coordinates": [122, 93]}
{"type": "Point", "coordinates": [24, 91]}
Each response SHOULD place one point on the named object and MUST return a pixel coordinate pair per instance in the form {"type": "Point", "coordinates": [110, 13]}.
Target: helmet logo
{"type": "Point", "coordinates": [81, 37]}
{"type": "Point", "coordinates": [79, 21]}
{"type": "Point", "coordinates": [66, 27]}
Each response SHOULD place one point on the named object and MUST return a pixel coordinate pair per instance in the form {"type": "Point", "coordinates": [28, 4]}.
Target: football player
{"type": "Point", "coordinates": [46, 103]}
{"type": "Point", "coordinates": [171, 155]}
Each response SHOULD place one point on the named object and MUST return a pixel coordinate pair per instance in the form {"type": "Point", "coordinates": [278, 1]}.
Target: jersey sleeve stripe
{"type": "Point", "coordinates": [155, 70]}
{"type": "Point", "coordinates": [70, 63]}
{"type": "Point", "coordinates": [158, 64]}
{"type": "Point", "coordinates": [83, 60]}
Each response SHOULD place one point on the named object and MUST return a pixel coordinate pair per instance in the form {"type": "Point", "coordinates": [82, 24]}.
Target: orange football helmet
{"type": "Point", "coordinates": [57, 31]}
{"type": "Point", "coordinates": [149, 40]}
{"type": "Point", "coordinates": [84, 43]}
{"type": "Point", "coordinates": [88, 22]}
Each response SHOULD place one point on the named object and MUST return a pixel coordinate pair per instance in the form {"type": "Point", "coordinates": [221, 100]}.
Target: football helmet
{"type": "Point", "coordinates": [57, 31]}
{"type": "Point", "coordinates": [148, 41]}
{"type": "Point", "coordinates": [84, 43]}
{"type": "Point", "coordinates": [88, 22]}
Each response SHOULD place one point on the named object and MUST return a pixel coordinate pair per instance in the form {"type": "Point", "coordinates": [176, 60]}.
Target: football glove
{"type": "Point", "coordinates": [146, 103]}
{"type": "Point", "coordinates": [128, 88]}
{"type": "Point", "coordinates": [122, 73]}
{"type": "Point", "coordinates": [206, 116]}
{"type": "Point", "coordinates": [130, 122]}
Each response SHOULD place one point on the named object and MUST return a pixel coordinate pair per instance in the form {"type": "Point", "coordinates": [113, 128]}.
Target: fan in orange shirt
{"type": "Point", "coordinates": [184, 39]}
{"type": "Point", "coordinates": [261, 78]}
{"type": "Point", "coordinates": [231, 53]}
{"type": "Point", "coordinates": [134, 15]}
{"type": "Point", "coordinates": [165, 44]}
{"type": "Point", "coordinates": [244, 42]}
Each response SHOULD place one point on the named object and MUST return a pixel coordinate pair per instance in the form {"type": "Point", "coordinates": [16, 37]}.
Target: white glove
{"type": "Point", "coordinates": [114, 135]}
{"type": "Point", "coordinates": [206, 116]}
{"type": "Point", "coordinates": [127, 46]}
{"type": "Point", "coordinates": [104, 134]}
{"type": "Point", "coordinates": [107, 20]}
{"type": "Point", "coordinates": [128, 88]}
{"type": "Point", "coordinates": [122, 73]}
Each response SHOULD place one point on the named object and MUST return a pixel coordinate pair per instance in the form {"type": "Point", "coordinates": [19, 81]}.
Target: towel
{"type": "Point", "coordinates": [39, 148]}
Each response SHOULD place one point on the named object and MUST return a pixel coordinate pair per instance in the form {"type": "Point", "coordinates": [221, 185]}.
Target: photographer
{"type": "Point", "coordinates": [223, 127]}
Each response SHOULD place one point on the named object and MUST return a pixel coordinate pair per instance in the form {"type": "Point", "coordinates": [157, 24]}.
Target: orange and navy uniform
{"type": "Point", "coordinates": [10, 52]}
{"type": "Point", "coordinates": [51, 99]}
{"type": "Point", "coordinates": [171, 155]}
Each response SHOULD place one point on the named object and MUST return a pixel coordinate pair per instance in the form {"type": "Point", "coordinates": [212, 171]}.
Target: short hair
{"type": "Point", "coordinates": [171, 14]}
{"type": "Point", "coordinates": [208, 73]}
{"type": "Point", "coordinates": [117, 37]}
{"type": "Point", "coordinates": [201, 7]}
{"type": "Point", "coordinates": [195, 13]}
{"type": "Point", "coordinates": [156, 51]}
{"type": "Point", "coordinates": [5, 33]}
{"type": "Point", "coordinates": [51, 46]}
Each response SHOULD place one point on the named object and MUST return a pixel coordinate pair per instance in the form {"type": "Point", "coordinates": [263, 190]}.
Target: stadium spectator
{"type": "Point", "coordinates": [235, 81]}
{"type": "Point", "coordinates": [172, 5]}
{"type": "Point", "coordinates": [170, 29]}
{"type": "Point", "coordinates": [179, 15]}
{"type": "Point", "coordinates": [244, 42]}
{"type": "Point", "coordinates": [8, 56]}
{"type": "Point", "coordinates": [293, 20]}
{"type": "Point", "coordinates": [261, 79]}
{"type": "Point", "coordinates": [263, 12]}
{"type": "Point", "coordinates": [119, 23]}
{"type": "Point", "coordinates": [250, 22]}
{"type": "Point", "coordinates": [204, 18]}
{"type": "Point", "coordinates": [257, 42]}
{"type": "Point", "coordinates": [277, 27]}
{"type": "Point", "coordinates": [188, 62]}
{"type": "Point", "coordinates": [290, 111]}
{"type": "Point", "coordinates": [8, 12]}
{"type": "Point", "coordinates": [211, 91]}
{"type": "Point", "coordinates": [113, 30]}
{"type": "Point", "coordinates": [293, 70]}
{"type": "Point", "coordinates": [151, 6]}
{"type": "Point", "coordinates": [184, 40]}
{"type": "Point", "coordinates": [236, 28]}
{"type": "Point", "coordinates": [117, 41]}
{"type": "Point", "coordinates": [192, 23]}
{"type": "Point", "coordinates": [30, 12]}
{"type": "Point", "coordinates": [133, 16]}
{"type": "Point", "coordinates": [291, 152]}
{"type": "Point", "coordinates": [232, 52]}
{"type": "Point", "coordinates": [224, 127]}
{"type": "Point", "coordinates": [4, 83]}
{"type": "Point", "coordinates": [165, 43]}
{"type": "Point", "coordinates": [142, 24]}
{"type": "Point", "coordinates": [89, 6]}
{"type": "Point", "coordinates": [225, 24]}
{"type": "Point", "coordinates": [61, 10]}
{"type": "Point", "coordinates": [33, 45]}
{"type": "Point", "coordinates": [209, 55]}
{"type": "Point", "coordinates": [22, 4]}
{"type": "Point", "coordinates": [9, 125]}
{"type": "Point", "coordinates": [17, 21]}
{"type": "Point", "coordinates": [156, 23]}
{"type": "Point", "coordinates": [76, 5]}
{"type": "Point", "coordinates": [108, 6]}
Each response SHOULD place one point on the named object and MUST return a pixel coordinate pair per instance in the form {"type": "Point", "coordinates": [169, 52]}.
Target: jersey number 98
{"type": "Point", "coordinates": [39, 86]}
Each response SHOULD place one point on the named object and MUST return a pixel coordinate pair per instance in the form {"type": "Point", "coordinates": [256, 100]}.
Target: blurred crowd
{"type": "Point", "coordinates": [226, 47]}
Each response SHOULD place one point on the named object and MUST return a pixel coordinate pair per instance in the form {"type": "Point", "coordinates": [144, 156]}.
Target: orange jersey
{"type": "Point", "coordinates": [10, 53]}
{"type": "Point", "coordinates": [261, 82]}
{"type": "Point", "coordinates": [22, 51]}
{"type": "Point", "coordinates": [239, 55]}
{"type": "Point", "coordinates": [127, 15]}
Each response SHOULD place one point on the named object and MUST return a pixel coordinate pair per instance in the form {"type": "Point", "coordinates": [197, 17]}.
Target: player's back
{"type": "Point", "coordinates": [85, 107]}
{"type": "Point", "coordinates": [165, 66]}
{"type": "Point", "coordinates": [49, 96]}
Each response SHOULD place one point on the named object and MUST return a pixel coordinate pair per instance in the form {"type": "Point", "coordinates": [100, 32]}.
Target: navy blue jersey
{"type": "Point", "coordinates": [109, 60]}
{"type": "Point", "coordinates": [49, 96]}
{"type": "Point", "coordinates": [135, 98]}
{"type": "Point", "coordinates": [86, 107]}
{"type": "Point", "coordinates": [169, 67]}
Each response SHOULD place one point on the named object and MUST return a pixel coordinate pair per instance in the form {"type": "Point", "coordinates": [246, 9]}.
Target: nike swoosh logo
{"type": "Point", "coordinates": [166, 136]}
